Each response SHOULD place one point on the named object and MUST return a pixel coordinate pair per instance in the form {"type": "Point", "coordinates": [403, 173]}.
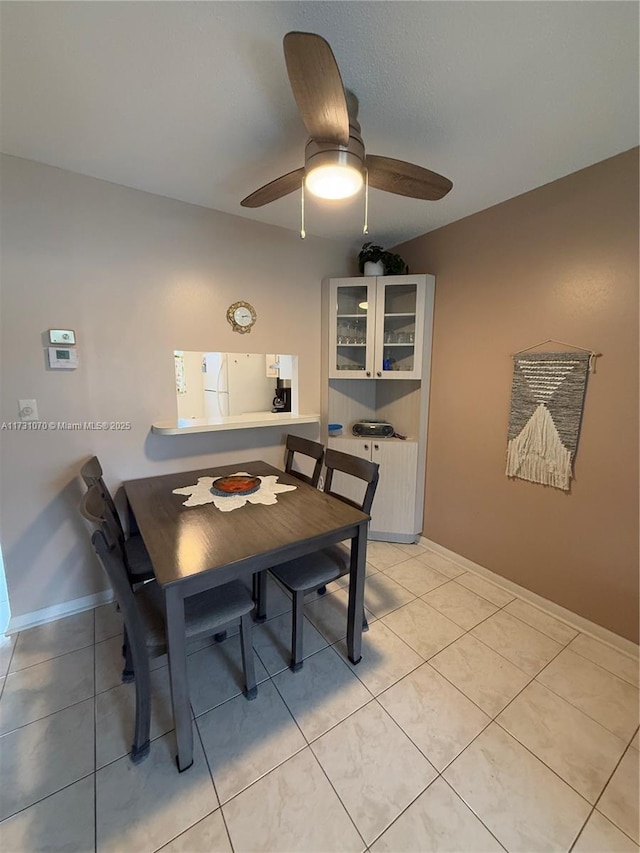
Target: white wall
{"type": "Point", "coordinates": [137, 276]}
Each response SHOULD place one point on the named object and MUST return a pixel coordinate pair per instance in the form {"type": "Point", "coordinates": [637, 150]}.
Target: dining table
{"type": "Point", "coordinates": [198, 547]}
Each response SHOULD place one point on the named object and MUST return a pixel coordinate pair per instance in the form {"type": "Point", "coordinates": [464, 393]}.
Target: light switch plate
{"type": "Point", "coordinates": [62, 336]}
{"type": "Point", "coordinates": [28, 410]}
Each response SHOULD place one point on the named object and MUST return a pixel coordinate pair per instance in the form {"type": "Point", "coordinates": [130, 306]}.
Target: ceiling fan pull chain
{"type": "Point", "coordinates": [303, 233]}
{"type": "Point", "coordinates": [365, 229]}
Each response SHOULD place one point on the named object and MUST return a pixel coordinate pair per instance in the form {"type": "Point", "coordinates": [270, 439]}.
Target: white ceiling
{"type": "Point", "coordinates": [191, 100]}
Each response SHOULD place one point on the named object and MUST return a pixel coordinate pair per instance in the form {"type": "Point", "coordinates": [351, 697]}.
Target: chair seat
{"type": "Point", "coordinates": [203, 613]}
{"type": "Point", "coordinates": [138, 557]}
{"type": "Point", "coordinates": [316, 569]}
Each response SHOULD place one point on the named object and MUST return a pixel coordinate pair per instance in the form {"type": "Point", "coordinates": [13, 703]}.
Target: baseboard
{"type": "Point", "coordinates": [403, 538]}
{"type": "Point", "coordinates": [57, 611]}
{"type": "Point", "coordinates": [585, 626]}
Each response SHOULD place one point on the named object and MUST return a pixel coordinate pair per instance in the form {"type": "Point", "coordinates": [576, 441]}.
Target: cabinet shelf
{"type": "Point", "coordinates": [403, 314]}
{"type": "Point", "coordinates": [351, 316]}
{"type": "Point", "coordinates": [350, 345]}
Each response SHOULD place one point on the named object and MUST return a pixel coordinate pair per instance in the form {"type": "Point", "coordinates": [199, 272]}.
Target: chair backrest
{"type": "Point", "coordinates": [91, 473]}
{"type": "Point", "coordinates": [95, 508]}
{"type": "Point", "coordinates": [362, 469]}
{"type": "Point", "coordinates": [111, 561]}
{"type": "Point", "coordinates": [313, 449]}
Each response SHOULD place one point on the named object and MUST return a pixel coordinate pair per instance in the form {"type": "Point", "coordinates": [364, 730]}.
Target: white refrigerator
{"type": "Point", "coordinates": [235, 383]}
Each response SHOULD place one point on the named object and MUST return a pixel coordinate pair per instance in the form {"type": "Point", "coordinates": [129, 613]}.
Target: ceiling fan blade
{"type": "Point", "coordinates": [396, 176]}
{"type": "Point", "coordinates": [282, 186]}
{"type": "Point", "coordinates": [317, 87]}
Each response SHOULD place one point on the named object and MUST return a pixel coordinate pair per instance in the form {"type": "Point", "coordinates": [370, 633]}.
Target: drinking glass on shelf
{"type": "Point", "coordinates": [410, 337]}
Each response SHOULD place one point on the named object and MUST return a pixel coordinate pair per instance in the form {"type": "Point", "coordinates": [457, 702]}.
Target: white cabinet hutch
{"type": "Point", "coordinates": [376, 366]}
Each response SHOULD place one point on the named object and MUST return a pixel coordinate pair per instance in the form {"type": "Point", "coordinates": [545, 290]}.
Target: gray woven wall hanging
{"type": "Point", "coordinates": [547, 399]}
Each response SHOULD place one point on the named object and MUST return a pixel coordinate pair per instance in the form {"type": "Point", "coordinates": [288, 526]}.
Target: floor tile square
{"type": "Point", "coordinates": [601, 695]}
{"type": "Point", "coordinates": [541, 621]}
{"type": "Point", "coordinates": [382, 555]}
{"type": "Point", "coordinates": [52, 685]}
{"type": "Point", "coordinates": [208, 836]}
{"type": "Point", "coordinates": [635, 743]}
{"type": "Point", "coordinates": [525, 647]}
{"type": "Point", "coordinates": [382, 595]}
{"type": "Point", "coordinates": [422, 628]}
{"type": "Point", "coordinates": [484, 676]}
{"type": "Point", "coordinates": [115, 716]}
{"type": "Point", "coordinates": [440, 563]}
{"type": "Point", "coordinates": [143, 806]}
{"type": "Point", "coordinates": [374, 768]}
{"type": "Point", "coordinates": [328, 614]}
{"type": "Point", "coordinates": [108, 622]}
{"type": "Point", "coordinates": [52, 640]}
{"type": "Point", "coordinates": [46, 828]}
{"type": "Point", "coordinates": [416, 576]}
{"type": "Point", "coordinates": [438, 718]}
{"type": "Point", "coordinates": [620, 800]}
{"type": "Point", "coordinates": [581, 751]}
{"type": "Point", "coordinates": [486, 589]}
{"type": "Point", "coordinates": [272, 642]}
{"type": "Point", "coordinates": [293, 809]}
{"type": "Point", "coordinates": [601, 836]}
{"type": "Point", "coordinates": [385, 658]}
{"type": "Point", "coordinates": [438, 822]}
{"type": "Point", "coordinates": [244, 739]}
{"type": "Point", "coordinates": [459, 604]}
{"type": "Point", "coordinates": [523, 803]}
{"type": "Point", "coordinates": [216, 674]}
{"type": "Point", "coordinates": [624, 666]}
{"type": "Point", "coordinates": [42, 757]}
{"type": "Point", "coordinates": [322, 693]}
{"type": "Point", "coordinates": [7, 645]}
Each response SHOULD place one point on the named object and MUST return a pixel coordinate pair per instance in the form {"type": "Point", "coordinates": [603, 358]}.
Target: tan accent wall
{"type": "Point", "coordinates": [558, 262]}
{"type": "Point", "coordinates": [137, 276]}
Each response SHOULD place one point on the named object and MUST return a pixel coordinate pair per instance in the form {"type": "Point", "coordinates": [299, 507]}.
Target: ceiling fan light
{"type": "Point", "coordinates": [334, 181]}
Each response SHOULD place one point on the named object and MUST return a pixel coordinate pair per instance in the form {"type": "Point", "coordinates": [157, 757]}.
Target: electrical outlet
{"type": "Point", "coordinates": [28, 410]}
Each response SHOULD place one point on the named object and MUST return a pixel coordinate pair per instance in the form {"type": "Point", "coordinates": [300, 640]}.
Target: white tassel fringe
{"type": "Point", "coordinates": [537, 453]}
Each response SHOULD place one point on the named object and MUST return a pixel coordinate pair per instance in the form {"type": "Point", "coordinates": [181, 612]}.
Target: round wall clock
{"type": "Point", "coordinates": [242, 316]}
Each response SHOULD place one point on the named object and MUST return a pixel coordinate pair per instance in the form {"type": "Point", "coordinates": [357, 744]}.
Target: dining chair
{"type": "Point", "coordinates": [142, 609]}
{"type": "Point", "coordinates": [304, 447]}
{"type": "Point", "coordinates": [137, 562]}
{"type": "Point", "coordinates": [314, 571]}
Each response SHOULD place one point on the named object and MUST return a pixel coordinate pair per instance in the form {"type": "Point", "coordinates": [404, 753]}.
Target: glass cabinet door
{"type": "Point", "coordinates": [399, 312]}
{"type": "Point", "coordinates": [352, 328]}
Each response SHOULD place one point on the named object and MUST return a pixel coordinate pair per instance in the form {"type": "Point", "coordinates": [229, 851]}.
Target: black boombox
{"type": "Point", "coordinates": [370, 429]}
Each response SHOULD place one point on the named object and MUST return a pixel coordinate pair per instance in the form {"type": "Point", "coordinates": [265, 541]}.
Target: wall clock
{"type": "Point", "coordinates": [242, 316]}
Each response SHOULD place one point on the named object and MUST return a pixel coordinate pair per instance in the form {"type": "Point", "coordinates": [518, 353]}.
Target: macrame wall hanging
{"type": "Point", "coordinates": [547, 399]}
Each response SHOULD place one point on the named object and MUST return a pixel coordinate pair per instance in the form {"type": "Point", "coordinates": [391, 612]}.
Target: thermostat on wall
{"type": "Point", "coordinates": [63, 358]}
{"type": "Point", "coordinates": [62, 336]}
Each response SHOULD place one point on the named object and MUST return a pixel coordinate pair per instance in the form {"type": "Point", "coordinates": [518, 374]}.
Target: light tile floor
{"type": "Point", "coordinates": [474, 723]}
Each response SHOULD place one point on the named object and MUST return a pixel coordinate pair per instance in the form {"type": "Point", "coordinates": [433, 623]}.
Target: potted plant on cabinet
{"type": "Point", "coordinates": [374, 260]}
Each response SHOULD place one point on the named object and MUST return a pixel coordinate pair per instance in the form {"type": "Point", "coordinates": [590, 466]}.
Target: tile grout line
{"type": "Point", "coordinates": [46, 797]}
{"type": "Point", "coordinates": [595, 807]}
{"type": "Point", "coordinates": [95, 742]}
{"type": "Point", "coordinates": [347, 812]}
{"type": "Point", "coordinates": [46, 716]}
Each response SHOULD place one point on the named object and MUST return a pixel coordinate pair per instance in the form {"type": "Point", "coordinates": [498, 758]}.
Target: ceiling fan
{"type": "Point", "coordinates": [336, 165]}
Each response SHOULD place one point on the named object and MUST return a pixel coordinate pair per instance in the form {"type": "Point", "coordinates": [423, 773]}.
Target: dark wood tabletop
{"type": "Point", "coordinates": [184, 541]}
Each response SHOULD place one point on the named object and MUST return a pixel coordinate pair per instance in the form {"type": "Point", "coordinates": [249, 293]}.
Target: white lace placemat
{"type": "Point", "coordinates": [201, 493]}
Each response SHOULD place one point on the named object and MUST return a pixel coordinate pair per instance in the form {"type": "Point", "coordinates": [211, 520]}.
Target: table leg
{"type": "Point", "coordinates": [176, 648]}
{"type": "Point", "coordinates": [356, 593]}
{"type": "Point", "coordinates": [260, 596]}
